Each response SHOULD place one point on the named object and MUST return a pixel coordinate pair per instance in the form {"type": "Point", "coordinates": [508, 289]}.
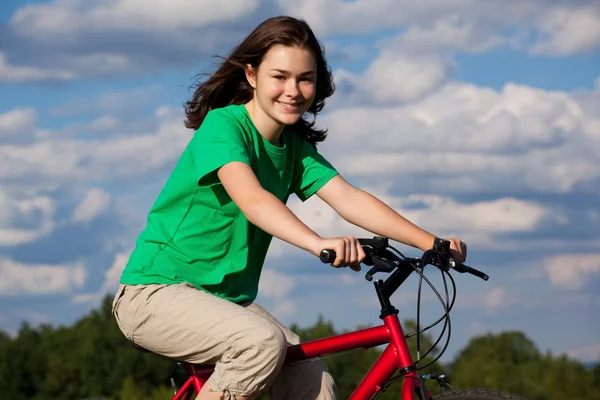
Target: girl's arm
{"type": "Point", "coordinates": [365, 210]}
{"type": "Point", "coordinates": [266, 211]}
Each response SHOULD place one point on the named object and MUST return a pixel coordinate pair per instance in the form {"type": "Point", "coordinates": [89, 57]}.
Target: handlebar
{"type": "Point", "coordinates": [378, 255]}
{"type": "Point", "coordinates": [328, 256]}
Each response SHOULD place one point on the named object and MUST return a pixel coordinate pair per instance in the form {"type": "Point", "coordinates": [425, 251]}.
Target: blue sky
{"type": "Point", "coordinates": [476, 119]}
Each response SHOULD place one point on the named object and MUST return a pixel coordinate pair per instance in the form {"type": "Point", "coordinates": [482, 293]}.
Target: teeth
{"type": "Point", "coordinates": [289, 104]}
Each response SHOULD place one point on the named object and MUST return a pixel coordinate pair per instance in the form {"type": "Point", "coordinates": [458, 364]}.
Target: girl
{"type": "Point", "coordinates": [187, 291]}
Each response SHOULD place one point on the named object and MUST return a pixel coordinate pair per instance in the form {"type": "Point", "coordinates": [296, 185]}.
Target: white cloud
{"type": "Point", "coordinates": [98, 39]}
{"type": "Point", "coordinates": [346, 52]}
{"type": "Point", "coordinates": [393, 78]}
{"type": "Point", "coordinates": [465, 116]}
{"type": "Point", "coordinates": [490, 300]}
{"type": "Point", "coordinates": [99, 63]}
{"type": "Point", "coordinates": [24, 218]}
{"type": "Point", "coordinates": [569, 31]}
{"type": "Point", "coordinates": [572, 271]}
{"type": "Point", "coordinates": [133, 155]}
{"type": "Point", "coordinates": [53, 161]}
{"type": "Point", "coordinates": [113, 275]}
{"type": "Point", "coordinates": [472, 139]}
{"type": "Point", "coordinates": [450, 32]}
{"type": "Point", "coordinates": [69, 17]}
{"type": "Point", "coordinates": [112, 102]}
{"type": "Point", "coordinates": [429, 27]}
{"type": "Point", "coordinates": [275, 285]}
{"type": "Point", "coordinates": [24, 73]}
{"type": "Point", "coordinates": [466, 25]}
{"type": "Point", "coordinates": [111, 280]}
{"type": "Point", "coordinates": [72, 67]}
{"type": "Point", "coordinates": [17, 121]}
{"type": "Point", "coordinates": [361, 16]}
{"type": "Point", "coordinates": [504, 215]}
{"type": "Point", "coordinates": [95, 202]}
{"type": "Point", "coordinates": [482, 224]}
{"type": "Point", "coordinates": [17, 279]}
{"type": "Point", "coordinates": [481, 220]}
{"type": "Point", "coordinates": [104, 123]}
{"type": "Point", "coordinates": [495, 298]}
{"type": "Point", "coordinates": [284, 308]}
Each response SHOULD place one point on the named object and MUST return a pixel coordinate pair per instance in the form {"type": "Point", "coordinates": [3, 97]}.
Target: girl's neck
{"type": "Point", "coordinates": [267, 127]}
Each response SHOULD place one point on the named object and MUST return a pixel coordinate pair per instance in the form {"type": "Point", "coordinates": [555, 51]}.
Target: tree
{"type": "Point", "coordinates": [92, 358]}
{"type": "Point", "coordinates": [510, 361]}
{"type": "Point", "coordinates": [568, 379]}
{"type": "Point", "coordinates": [596, 376]}
{"type": "Point", "coordinates": [23, 363]}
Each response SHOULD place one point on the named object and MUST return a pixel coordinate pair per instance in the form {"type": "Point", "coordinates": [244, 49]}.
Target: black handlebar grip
{"type": "Point", "coordinates": [462, 268]}
{"type": "Point", "coordinates": [327, 256]}
{"type": "Point", "coordinates": [478, 273]}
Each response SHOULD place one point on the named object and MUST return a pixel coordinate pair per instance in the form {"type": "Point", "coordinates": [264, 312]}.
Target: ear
{"type": "Point", "coordinates": [251, 75]}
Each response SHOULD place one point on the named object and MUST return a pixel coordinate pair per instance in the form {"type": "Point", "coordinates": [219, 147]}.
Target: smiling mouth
{"type": "Point", "coordinates": [290, 106]}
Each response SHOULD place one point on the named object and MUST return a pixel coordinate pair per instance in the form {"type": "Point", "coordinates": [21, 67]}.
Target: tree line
{"type": "Point", "coordinates": [92, 359]}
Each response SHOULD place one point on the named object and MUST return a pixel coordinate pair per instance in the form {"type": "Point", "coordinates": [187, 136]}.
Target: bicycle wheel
{"type": "Point", "coordinates": [476, 394]}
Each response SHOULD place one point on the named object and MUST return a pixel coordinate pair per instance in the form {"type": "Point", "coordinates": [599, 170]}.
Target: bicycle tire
{"type": "Point", "coordinates": [476, 394]}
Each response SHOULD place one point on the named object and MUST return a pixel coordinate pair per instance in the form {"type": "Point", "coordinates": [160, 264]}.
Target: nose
{"type": "Point", "coordinates": [291, 89]}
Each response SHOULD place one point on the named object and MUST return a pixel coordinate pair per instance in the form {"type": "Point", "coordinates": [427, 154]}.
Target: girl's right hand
{"type": "Point", "coordinates": [349, 253]}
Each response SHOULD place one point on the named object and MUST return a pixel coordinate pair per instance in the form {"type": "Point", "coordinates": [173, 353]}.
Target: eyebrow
{"type": "Point", "coordinates": [282, 71]}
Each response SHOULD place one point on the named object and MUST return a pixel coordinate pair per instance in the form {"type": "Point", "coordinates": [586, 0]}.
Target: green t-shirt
{"type": "Point", "coordinates": [195, 233]}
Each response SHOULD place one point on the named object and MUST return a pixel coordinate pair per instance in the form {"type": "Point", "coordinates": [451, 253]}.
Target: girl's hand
{"type": "Point", "coordinates": [349, 253]}
{"type": "Point", "coordinates": [458, 250]}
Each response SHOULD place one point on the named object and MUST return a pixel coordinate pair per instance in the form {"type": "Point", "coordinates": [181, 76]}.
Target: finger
{"type": "Point", "coordinates": [348, 257]}
{"type": "Point", "coordinates": [353, 251]}
{"type": "Point", "coordinates": [357, 251]}
{"type": "Point", "coordinates": [456, 246]}
{"type": "Point", "coordinates": [361, 253]}
{"type": "Point", "coordinates": [340, 252]}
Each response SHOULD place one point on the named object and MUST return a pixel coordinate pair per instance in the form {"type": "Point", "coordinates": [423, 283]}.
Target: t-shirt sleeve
{"type": "Point", "coordinates": [313, 171]}
{"type": "Point", "coordinates": [217, 142]}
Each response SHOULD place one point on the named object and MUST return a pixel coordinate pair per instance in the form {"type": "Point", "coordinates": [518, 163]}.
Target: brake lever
{"type": "Point", "coordinates": [381, 265]}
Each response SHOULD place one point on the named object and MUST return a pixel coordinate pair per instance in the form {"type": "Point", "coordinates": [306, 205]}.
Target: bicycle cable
{"type": "Point", "coordinates": [447, 306]}
{"type": "Point", "coordinates": [446, 319]}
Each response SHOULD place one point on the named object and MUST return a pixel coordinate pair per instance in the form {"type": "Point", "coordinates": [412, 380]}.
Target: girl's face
{"type": "Point", "coordinates": [285, 83]}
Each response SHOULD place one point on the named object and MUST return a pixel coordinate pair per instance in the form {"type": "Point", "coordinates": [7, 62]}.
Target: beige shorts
{"type": "Point", "coordinates": [246, 344]}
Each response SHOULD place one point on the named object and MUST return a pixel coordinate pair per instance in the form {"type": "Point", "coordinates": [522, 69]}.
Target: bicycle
{"type": "Point", "coordinates": [396, 360]}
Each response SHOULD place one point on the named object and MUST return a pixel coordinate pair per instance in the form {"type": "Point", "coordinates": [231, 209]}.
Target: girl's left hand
{"type": "Point", "coordinates": [458, 250]}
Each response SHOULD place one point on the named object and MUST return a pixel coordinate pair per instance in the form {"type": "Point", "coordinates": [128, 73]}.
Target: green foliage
{"type": "Point", "coordinates": [511, 362]}
{"type": "Point", "coordinates": [130, 391]}
{"type": "Point", "coordinates": [92, 359]}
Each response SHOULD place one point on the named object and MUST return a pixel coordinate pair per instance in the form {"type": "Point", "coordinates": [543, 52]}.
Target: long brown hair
{"type": "Point", "coordinates": [228, 85]}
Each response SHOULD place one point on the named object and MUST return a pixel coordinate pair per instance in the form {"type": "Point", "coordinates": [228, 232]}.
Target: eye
{"type": "Point", "coordinates": [279, 77]}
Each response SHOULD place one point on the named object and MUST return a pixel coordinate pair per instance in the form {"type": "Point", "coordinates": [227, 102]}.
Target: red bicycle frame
{"type": "Point", "coordinates": [395, 357]}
